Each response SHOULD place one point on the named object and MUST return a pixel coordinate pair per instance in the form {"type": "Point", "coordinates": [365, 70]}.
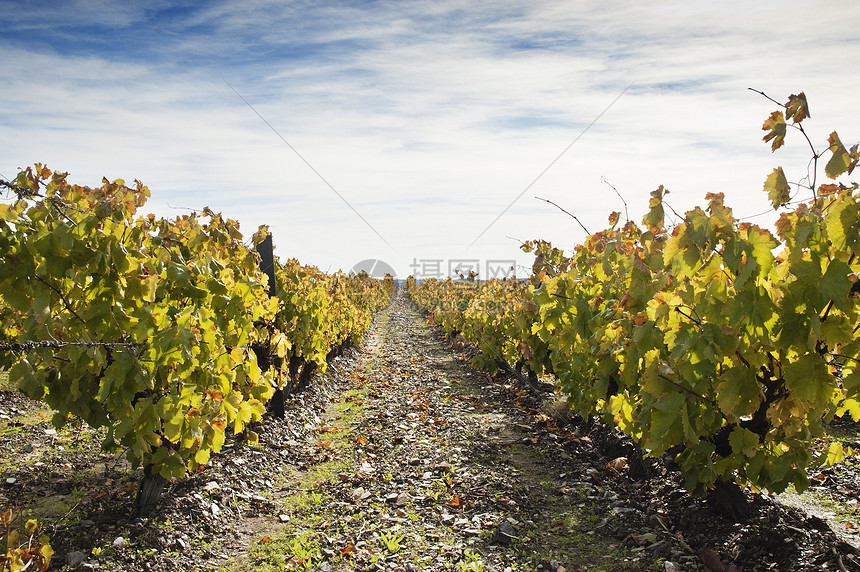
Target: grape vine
{"type": "Point", "coordinates": [697, 340]}
{"type": "Point", "coordinates": [152, 328]}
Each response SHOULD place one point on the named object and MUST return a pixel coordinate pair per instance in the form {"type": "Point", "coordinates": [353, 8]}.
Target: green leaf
{"type": "Point", "coordinates": [835, 285]}
{"type": "Point", "coordinates": [808, 379]}
{"type": "Point", "coordinates": [666, 427]}
{"type": "Point", "coordinates": [744, 441]}
{"type": "Point", "coordinates": [178, 273]}
{"type": "Point", "coordinates": [738, 392]}
{"type": "Point", "coordinates": [654, 220]}
{"type": "Point", "coordinates": [840, 162]}
{"type": "Point", "coordinates": [777, 189]}
{"type": "Point", "coordinates": [842, 222]}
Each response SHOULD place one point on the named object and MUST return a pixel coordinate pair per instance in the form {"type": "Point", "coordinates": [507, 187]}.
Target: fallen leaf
{"type": "Point", "coordinates": [617, 465]}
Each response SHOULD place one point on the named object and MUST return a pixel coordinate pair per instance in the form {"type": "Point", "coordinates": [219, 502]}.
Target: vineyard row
{"type": "Point", "coordinates": [164, 332]}
{"type": "Point", "coordinates": [713, 341]}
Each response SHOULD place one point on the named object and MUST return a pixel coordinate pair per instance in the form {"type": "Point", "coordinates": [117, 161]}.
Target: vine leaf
{"type": "Point", "coordinates": [777, 189]}
{"type": "Point", "coordinates": [744, 441]}
{"type": "Point", "coordinates": [797, 109]}
{"type": "Point", "coordinates": [841, 161]}
{"type": "Point", "coordinates": [805, 379]}
{"type": "Point", "coordinates": [775, 126]}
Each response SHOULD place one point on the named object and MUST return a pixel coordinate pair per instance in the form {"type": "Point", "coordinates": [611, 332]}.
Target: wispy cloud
{"type": "Point", "coordinates": [427, 116]}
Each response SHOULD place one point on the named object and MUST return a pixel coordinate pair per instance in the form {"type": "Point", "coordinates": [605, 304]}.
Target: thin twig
{"type": "Point", "coordinates": [766, 96]}
{"type": "Point", "coordinates": [626, 214]}
{"type": "Point", "coordinates": [565, 212]}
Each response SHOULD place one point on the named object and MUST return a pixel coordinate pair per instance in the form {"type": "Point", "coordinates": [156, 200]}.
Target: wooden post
{"type": "Point", "coordinates": [267, 266]}
{"type": "Point", "coordinates": [267, 262]}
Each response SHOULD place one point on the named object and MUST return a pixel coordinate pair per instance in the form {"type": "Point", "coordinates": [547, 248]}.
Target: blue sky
{"type": "Point", "coordinates": [427, 117]}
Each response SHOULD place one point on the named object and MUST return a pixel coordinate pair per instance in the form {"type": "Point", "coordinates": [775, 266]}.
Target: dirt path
{"type": "Point", "coordinates": [423, 464]}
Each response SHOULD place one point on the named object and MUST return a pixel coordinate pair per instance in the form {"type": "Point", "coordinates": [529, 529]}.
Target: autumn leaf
{"type": "Point", "coordinates": [797, 109]}
{"type": "Point", "coordinates": [265, 540]}
{"type": "Point", "coordinates": [454, 502]}
{"type": "Point", "coordinates": [777, 189]}
{"type": "Point", "coordinates": [775, 126]}
{"type": "Point", "coordinates": [824, 190]}
{"type": "Point", "coordinates": [329, 429]}
{"type": "Point", "coordinates": [616, 465]}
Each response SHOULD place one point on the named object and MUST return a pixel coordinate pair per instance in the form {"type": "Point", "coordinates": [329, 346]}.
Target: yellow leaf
{"type": "Point", "coordinates": [775, 126]}
{"type": "Point", "coordinates": [835, 453]}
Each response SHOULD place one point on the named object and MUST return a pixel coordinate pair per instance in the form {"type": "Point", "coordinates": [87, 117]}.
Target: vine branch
{"type": "Point", "coordinates": [565, 212]}
{"type": "Point", "coordinates": [55, 344]}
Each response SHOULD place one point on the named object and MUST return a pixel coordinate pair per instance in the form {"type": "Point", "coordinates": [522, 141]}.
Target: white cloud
{"type": "Point", "coordinates": [428, 117]}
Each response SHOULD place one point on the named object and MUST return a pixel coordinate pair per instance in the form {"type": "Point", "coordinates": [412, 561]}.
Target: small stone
{"type": "Point", "coordinates": [403, 499]}
{"type": "Point", "coordinates": [284, 517]}
{"type": "Point", "coordinates": [28, 448]}
{"type": "Point", "coordinates": [211, 486]}
{"type": "Point", "coordinates": [216, 510]}
{"type": "Point", "coordinates": [671, 566]}
{"type": "Point", "coordinates": [505, 534]}
{"type": "Point", "coordinates": [180, 545]}
{"type": "Point", "coordinates": [11, 481]}
{"type": "Point", "coordinates": [118, 542]}
{"type": "Point", "coordinates": [75, 559]}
